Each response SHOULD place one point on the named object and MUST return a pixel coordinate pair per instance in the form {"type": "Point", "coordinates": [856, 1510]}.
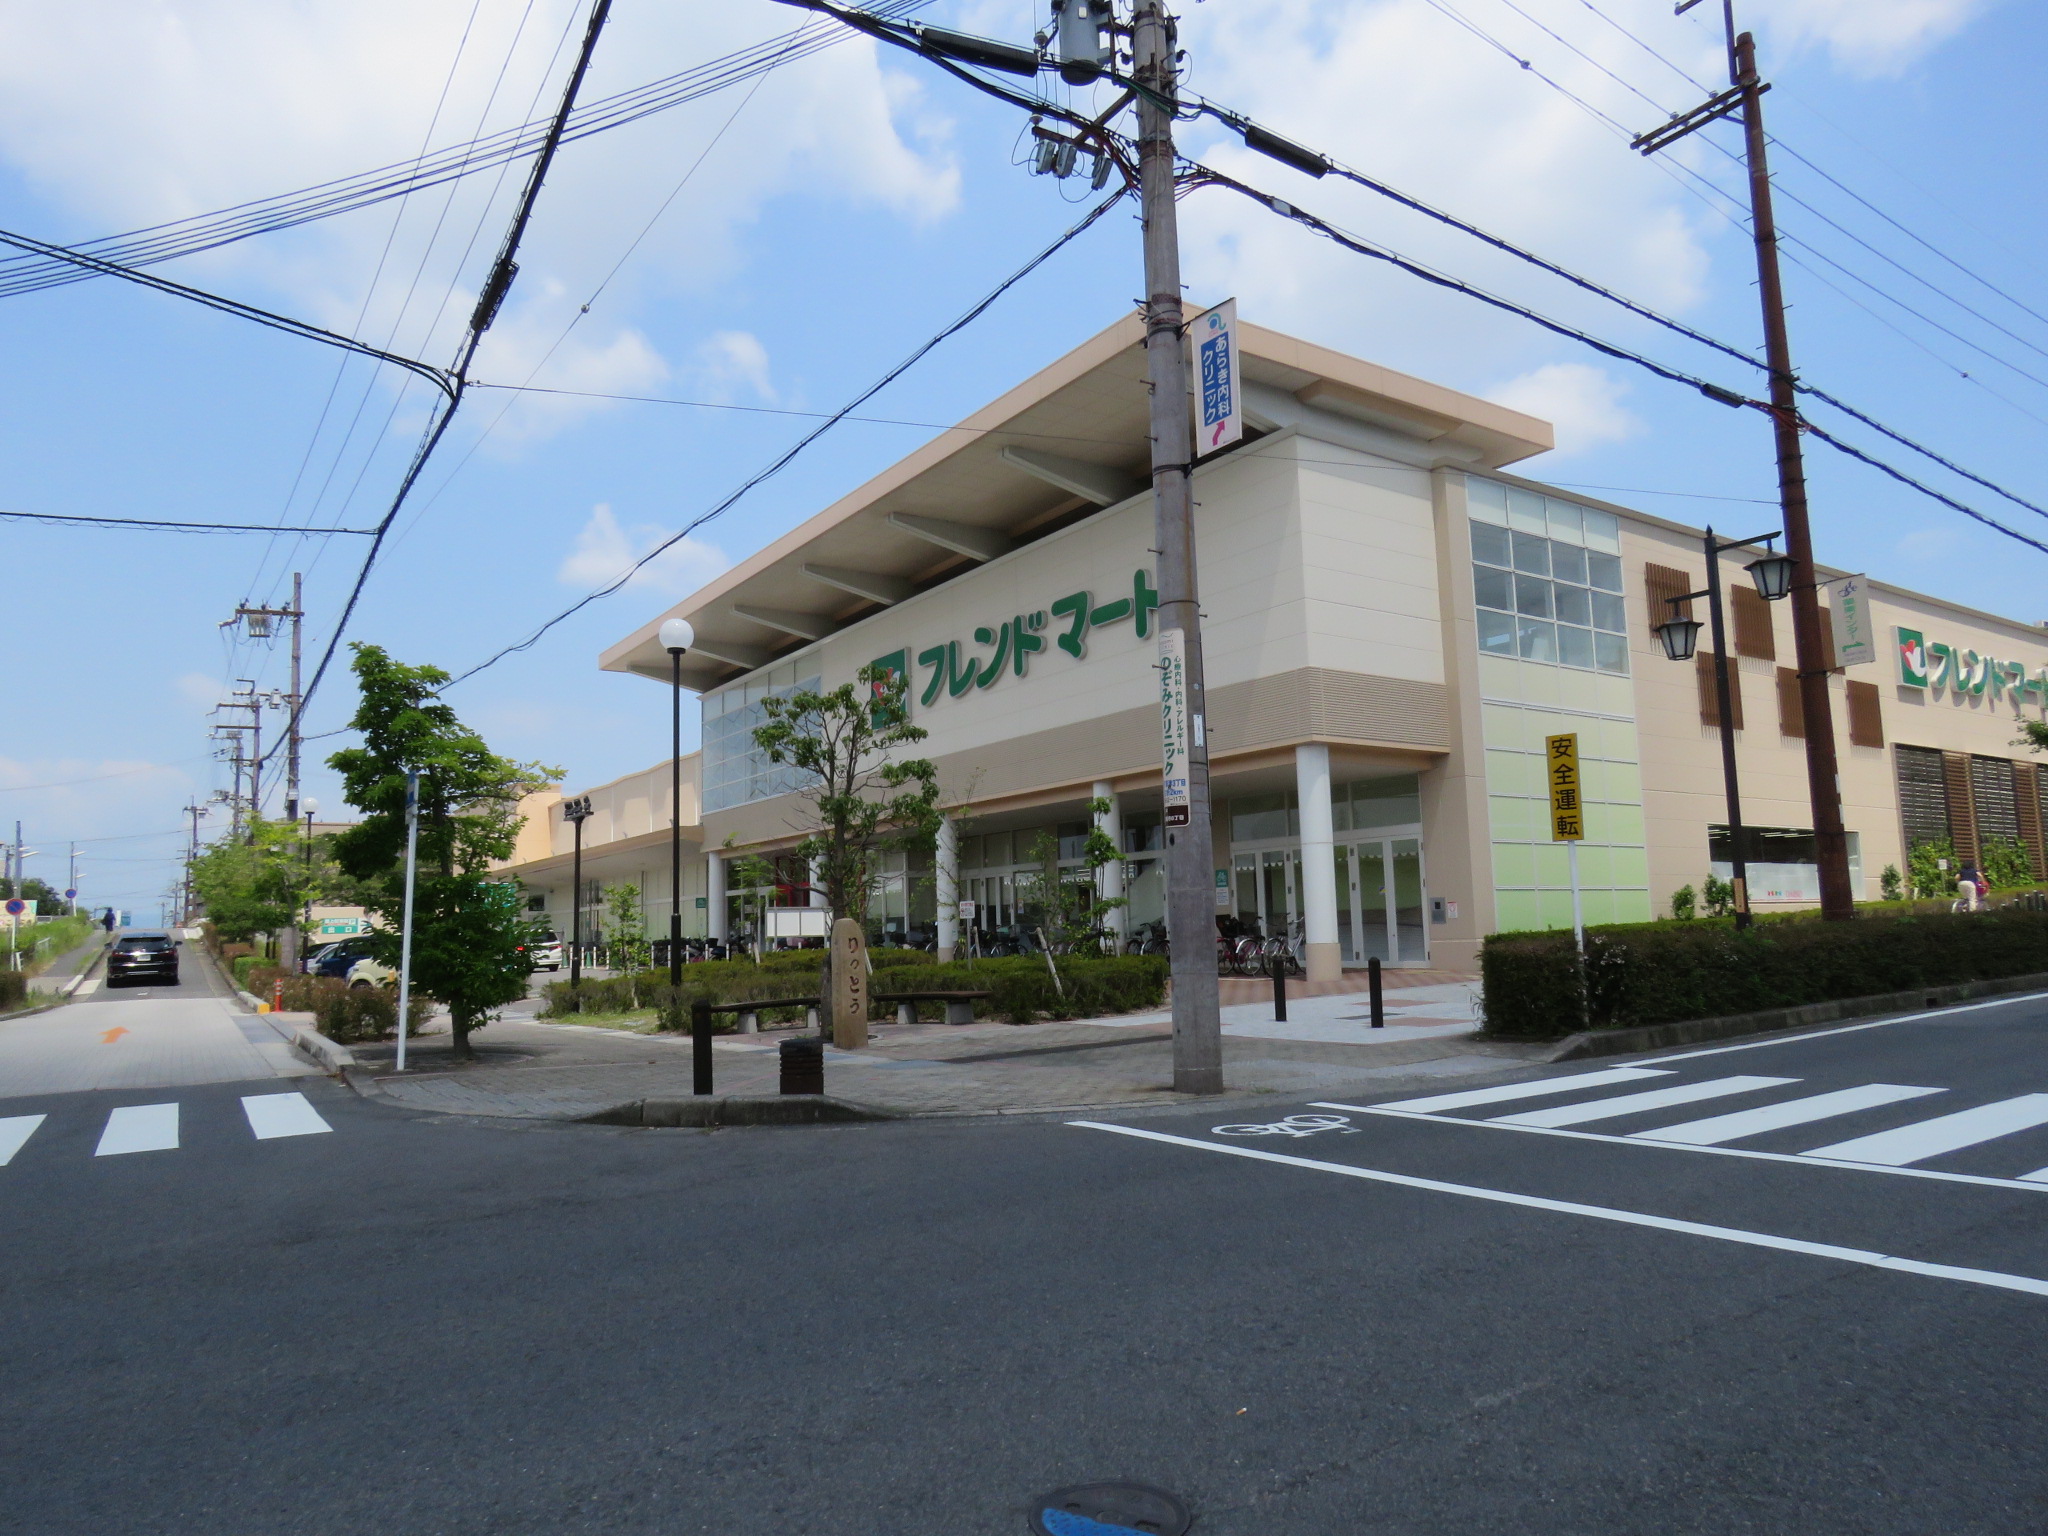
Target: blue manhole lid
{"type": "Point", "coordinates": [1110, 1509]}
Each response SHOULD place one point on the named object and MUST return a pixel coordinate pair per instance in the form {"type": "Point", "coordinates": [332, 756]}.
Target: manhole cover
{"type": "Point", "coordinates": [1109, 1509]}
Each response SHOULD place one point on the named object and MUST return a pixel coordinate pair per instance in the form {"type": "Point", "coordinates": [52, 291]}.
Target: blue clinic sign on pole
{"type": "Point", "coordinates": [1219, 417]}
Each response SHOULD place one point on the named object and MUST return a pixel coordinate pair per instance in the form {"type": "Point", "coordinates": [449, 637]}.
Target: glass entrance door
{"type": "Point", "coordinates": [1267, 888]}
{"type": "Point", "coordinates": [1382, 905]}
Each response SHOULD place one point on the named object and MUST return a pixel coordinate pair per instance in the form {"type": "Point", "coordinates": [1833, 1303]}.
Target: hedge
{"type": "Point", "coordinates": [1020, 988]}
{"type": "Point", "coordinates": [1654, 973]}
{"type": "Point", "coordinates": [13, 990]}
{"type": "Point", "coordinates": [344, 1014]}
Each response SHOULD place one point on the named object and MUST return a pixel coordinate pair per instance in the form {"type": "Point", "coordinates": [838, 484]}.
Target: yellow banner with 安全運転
{"type": "Point", "coordinates": [1561, 767]}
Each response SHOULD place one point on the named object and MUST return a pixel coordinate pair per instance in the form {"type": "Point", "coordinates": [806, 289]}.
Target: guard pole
{"type": "Point", "coordinates": [412, 859]}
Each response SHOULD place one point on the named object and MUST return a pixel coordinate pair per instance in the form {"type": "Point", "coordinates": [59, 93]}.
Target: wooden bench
{"type": "Point", "coordinates": [959, 1005]}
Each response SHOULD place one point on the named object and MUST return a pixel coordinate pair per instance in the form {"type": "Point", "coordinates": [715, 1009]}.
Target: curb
{"type": "Point", "coordinates": [1657, 1037]}
{"type": "Point", "coordinates": [308, 1041]}
{"type": "Point", "coordinates": [714, 1110]}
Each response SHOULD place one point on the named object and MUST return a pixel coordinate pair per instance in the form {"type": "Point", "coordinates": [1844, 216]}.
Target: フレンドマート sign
{"type": "Point", "coordinates": [1931, 664]}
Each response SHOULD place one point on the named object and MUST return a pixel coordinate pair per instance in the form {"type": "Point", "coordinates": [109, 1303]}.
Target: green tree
{"type": "Point", "coordinates": [864, 799]}
{"type": "Point", "coordinates": [2005, 863]}
{"type": "Point", "coordinates": [1683, 903]}
{"type": "Point", "coordinates": [1923, 867]}
{"type": "Point", "coordinates": [1891, 885]}
{"type": "Point", "coordinates": [625, 928]}
{"type": "Point", "coordinates": [255, 882]}
{"type": "Point", "coordinates": [1067, 903]}
{"type": "Point", "coordinates": [468, 931]}
{"type": "Point", "coordinates": [1717, 896]}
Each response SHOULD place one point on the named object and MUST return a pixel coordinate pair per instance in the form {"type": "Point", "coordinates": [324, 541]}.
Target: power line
{"type": "Point", "coordinates": [144, 522]}
{"type": "Point", "coordinates": [209, 231]}
{"type": "Point", "coordinates": [973, 313]}
{"type": "Point", "coordinates": [233, 307]}
{"type": "Point", "coordinates": [503, 270]}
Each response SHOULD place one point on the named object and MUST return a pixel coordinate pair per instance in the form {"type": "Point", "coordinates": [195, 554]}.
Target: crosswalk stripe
{"type": "Point", "coordinates": [1636, 1103]}
{"type": "Point", "coordinates": [14, 1134]}
{"type": "Point", "coordinates": [140, 1128]}
{"type": "Point", "coordinates": [1945, 1133]}
{"type": "Point", "coordinates": [282, 1114]}
{"type": "Point", "coordinates": [1533, 1090]}
{"type": "Point", "coordinates": [1776, 1117]}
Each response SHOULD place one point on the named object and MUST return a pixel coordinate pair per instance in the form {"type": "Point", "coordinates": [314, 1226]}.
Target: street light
{"type": "Point", "coordinates": [1679, 636]}
{"type": "Point", "coordinates": [576, 812]}
{"type": "Point", "coordinates": [677, 637]}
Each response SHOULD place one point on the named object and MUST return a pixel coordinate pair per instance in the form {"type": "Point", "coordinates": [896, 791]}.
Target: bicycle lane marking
{"type": "Point", "coordinates": [1865, 1257]}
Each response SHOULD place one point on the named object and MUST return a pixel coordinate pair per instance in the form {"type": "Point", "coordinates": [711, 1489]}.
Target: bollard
{"type": "Point", "coordinates": [700, 1047]}
{"type": "Point", "coordinates": [1379, 1003]}
{"type": "Point", "coordinates": [1279, 990]}
{"type": "Point", "coordinates": [803, 1065]}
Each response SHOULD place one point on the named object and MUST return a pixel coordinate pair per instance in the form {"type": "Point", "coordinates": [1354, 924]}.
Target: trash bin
{"type": "Point", "coordinates": [803, 1065]}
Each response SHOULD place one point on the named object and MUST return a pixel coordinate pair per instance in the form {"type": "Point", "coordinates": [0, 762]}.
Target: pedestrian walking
{"type": "Point", "coordinates": [1973, 887]}
{"type": "Point", "coordinates": [107, 922]}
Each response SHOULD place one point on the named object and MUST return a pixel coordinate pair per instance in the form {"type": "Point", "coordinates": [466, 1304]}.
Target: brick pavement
{"type": "Point", "coordinates": [540, 1070]}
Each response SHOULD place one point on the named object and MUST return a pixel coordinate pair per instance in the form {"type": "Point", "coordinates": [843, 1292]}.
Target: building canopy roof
{"type": "Point", "coordinates": [1063, 444]}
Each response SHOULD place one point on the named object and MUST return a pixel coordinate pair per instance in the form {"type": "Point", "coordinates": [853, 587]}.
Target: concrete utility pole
{"type": "Point", "coordinates": [1190, 857]}
{"type": "Point", "coordinates": [1744, 99]}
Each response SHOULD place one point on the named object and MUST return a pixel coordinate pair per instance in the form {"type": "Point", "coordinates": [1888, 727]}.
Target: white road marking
{"type": "Point", "coordinates": [1637, 1103]}
{"type": "Point", "coordinates": [14, 1134]}
{"type": "Point", "coordinates": [282, 1114]}
{"type": "Point", "coordinates": [1803, 1160]}
{"type": "Point", "coordinates": [140, 1128]}
{"type": "Point", "coordinates": [1850, 1029]}
{"type": "Point", "coordinates": [1533, 1090]}
{"type": "Point", "coordinates": [1775, 1117]}
{"type": "Point", "coordinates": [1946, 1133]}
{"type": "Point", "coordinates": [1863, 1256]}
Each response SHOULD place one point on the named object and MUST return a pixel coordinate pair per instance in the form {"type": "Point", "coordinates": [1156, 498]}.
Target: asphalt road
{"type": "Point", "coordinates": [1388, 1320]}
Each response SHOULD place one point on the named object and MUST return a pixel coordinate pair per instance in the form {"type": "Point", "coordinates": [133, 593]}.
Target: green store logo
{"type": "Point", "coordinates": [1934, 665]}
{"type": "Point", "coordinates": [952, 668]}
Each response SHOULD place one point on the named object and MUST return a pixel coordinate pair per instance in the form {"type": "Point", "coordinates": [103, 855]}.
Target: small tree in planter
{"type": "Point", "coordinates": [625, 929]}
{"type": "Point", "coordinates": [1066, 904]}
{"type": "Point", "coordinates": [864, 797]}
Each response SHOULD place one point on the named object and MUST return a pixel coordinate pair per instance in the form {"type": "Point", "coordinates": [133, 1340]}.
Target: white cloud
{"type": "Point", "coordinates": [1582, 402]}
{"type": "Point", "coordinates": [199, 689]}
{"type": "Point", "coordinates": [604, 548]}
{"type": "Point", "coordinates": [733, 358]}
{"type": "Point", "coordinates": [1873, 37]}
{"type": "Point", "coordinates": [124, 113]}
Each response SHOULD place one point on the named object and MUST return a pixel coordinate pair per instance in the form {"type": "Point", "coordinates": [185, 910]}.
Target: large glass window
{"type": "Point", "coordinates": [736, 772]}
{"type": "Point", "coordinates": [1546, 576]}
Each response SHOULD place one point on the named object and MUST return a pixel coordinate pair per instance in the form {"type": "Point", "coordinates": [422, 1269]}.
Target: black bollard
{"type": "Point", "coordinates": [803, 1065]}
{"type": "Point", "coordinates": [1379, 1003]}
{"type": "Point", "coordinates": [700, 1046]}
{"type": "Point", "coordinates": [1279, 990]}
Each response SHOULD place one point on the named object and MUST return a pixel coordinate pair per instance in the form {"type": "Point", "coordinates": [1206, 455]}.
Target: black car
{"type": "Point", "coordinates": [335, 959]}
{"type": "Point", "coordinates": [144, 956]}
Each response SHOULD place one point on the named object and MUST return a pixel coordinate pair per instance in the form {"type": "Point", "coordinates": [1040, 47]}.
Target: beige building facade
{"type": "Point", "coordinates": [1393, 621]}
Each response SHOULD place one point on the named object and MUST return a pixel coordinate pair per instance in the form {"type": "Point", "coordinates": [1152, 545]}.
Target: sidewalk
{"type": "Point", "coordinates": [66, 974]}
{"type": "Point", "coordinates": [532, 1069]}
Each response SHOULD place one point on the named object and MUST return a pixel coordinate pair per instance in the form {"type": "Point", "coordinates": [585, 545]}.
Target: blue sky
{"type": "Point", "coordinates": [820, 224]}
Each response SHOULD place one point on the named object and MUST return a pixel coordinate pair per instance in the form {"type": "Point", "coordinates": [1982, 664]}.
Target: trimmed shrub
{"type": "Point", "coordinates": [1020, 988]}
{"type": "Point", "coordinates": [1653, 973]}
{"type": "Point", "coordinates": [352, 1015]}
{"type": "Point", "coordinates": [13, 990]}
{"type": "Point", "coordinates": [1021, 991]}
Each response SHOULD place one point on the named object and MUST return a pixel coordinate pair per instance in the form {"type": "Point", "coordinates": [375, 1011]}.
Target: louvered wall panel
{"type": "Point", "coordinates": [1710, 713]}
{"type": "Point", "coordinates": [1962, 809]}
{"type": "Point", "coordinates": [1791, 716]}
{"type": "Point", "coordinates": [2027, 792]}
{"type": "Point", "coordinates": [1660, 583]}
{"type": "Point", "coordinates": [1923, 795]}
{"type": "Point", "coordinates": [1992, 793]}
{"type": "Point", "coordinates": [1753, 633]}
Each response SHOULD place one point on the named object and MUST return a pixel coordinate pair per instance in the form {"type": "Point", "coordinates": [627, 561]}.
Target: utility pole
{"type": "Point", "coordinates": [1744, 98]}
{"type": "Point", "coordinates": [1190, 859]}
{"type": "Point", "coordinates": [260, 623]}
{"type": "Point", "coordinates": [191, 858]}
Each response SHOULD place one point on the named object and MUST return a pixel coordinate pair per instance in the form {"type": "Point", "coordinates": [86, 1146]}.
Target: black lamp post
{"type": "Point", "coordinates": [575, 812]}
{"type": "Point", "coordinates": [1679, 635]}
{"type": "Point", "coordinates": [676, 637]}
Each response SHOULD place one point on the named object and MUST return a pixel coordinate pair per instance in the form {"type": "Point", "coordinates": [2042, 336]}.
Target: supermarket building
{"type": "Point", "coordinates": [1393, 622]}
